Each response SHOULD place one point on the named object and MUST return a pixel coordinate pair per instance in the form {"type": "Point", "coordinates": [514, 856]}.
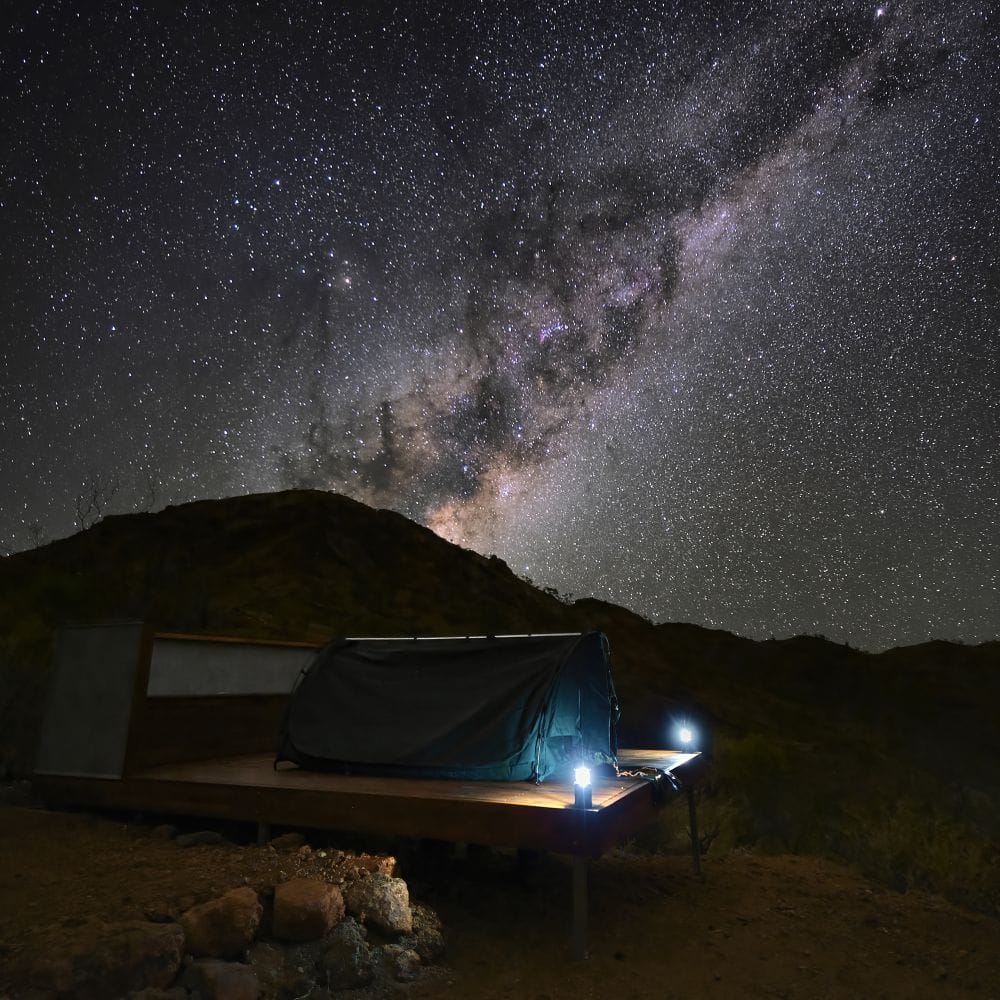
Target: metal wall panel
{"type": "Point", "coordinates": [85, 726]}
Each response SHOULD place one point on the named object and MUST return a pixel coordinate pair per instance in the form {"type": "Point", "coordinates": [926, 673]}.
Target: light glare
{"type": "Point", "coordinates": [582, 776]}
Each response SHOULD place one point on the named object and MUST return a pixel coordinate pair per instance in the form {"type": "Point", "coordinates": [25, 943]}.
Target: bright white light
{"type": "Point", "coordinates": [686, 734]}
{"type": "Point", "coordinates": [582, 776]}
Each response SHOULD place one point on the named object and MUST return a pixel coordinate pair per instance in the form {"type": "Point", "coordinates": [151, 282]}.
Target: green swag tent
{"type": "Point", "coordinates": [504, 708]}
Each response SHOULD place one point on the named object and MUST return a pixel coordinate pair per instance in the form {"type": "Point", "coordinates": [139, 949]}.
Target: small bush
{"type": "Point", "coordinates": [778, 796]}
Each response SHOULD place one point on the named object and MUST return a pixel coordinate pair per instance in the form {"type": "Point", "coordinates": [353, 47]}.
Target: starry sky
{"type": "Point", "coordinates": [694, 307]}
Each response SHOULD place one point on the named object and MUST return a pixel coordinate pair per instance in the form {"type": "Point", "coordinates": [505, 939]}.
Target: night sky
{"type": "Point", "coordinates": [694, 307]}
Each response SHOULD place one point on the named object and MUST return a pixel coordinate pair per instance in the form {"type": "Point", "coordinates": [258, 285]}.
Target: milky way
{"type": "Point", "coordinates": [692, 307]}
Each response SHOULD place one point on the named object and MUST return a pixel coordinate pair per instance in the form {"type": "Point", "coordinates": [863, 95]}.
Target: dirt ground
{"type": "Point", "coordinates": [751, 926]}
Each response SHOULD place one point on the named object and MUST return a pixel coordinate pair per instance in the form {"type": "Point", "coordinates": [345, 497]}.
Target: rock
{"type": "Point", "coordinates": [305, 909]}
{"type": "Point", "coordinates": [347, 961]}
{"type": "Point", "coordinates": [201, 837]}
{"type": "Point", "coordinates": [224, 927]}
{"type": "Point", "coordinates": [162, 913]}
{"type": "Point", "coordinates": [165, 831]}
{"type": "Point", "coordinates": [174, 993]}
{"type": "Point", "coordinates": [279, 971]}
{"type": "Point", "coordinates": [383, 863]}
{"type": "Point", "coordinates": [402, 963]}
{"type": "Point", "coordinates": [426, 940]}
{"type": "Point", "coordinates": [267, 960]}
{"type": "Point", "coordinates": [288, 841]}
{"type": "Point", "coordinates": [102, 960]}
{"type": "Point", "coordinates": [217, 980]}
{"type": "Point", "coordinates": [382, 901]}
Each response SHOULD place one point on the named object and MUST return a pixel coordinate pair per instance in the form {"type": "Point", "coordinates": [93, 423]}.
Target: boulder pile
{"type": "Point", "coordinates": [304, 937]}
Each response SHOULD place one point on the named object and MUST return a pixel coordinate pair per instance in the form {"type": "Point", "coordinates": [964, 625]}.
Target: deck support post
{"type": "Point", "coordinates": [579, 907]}
{"type": "Point", "coordinates": [693, 824]}
{"type": "Point", "coordinates": [263, 833]}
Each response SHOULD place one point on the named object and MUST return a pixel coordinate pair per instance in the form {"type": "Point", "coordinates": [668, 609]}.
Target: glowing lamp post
{"type": "Point", "coordinates": [583, 799]}
{"type": "Point", "coordinates": [685, 735]}
{"type": "Point", "coordinates": [583, 794]}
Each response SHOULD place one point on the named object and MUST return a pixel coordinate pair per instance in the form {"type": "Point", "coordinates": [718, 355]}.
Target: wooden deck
{"type": "Point", "coordinates": [510, 814]}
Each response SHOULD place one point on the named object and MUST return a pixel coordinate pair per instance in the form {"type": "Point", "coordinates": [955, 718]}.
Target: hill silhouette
{"type": "Point", "coordinates": [886, 760]}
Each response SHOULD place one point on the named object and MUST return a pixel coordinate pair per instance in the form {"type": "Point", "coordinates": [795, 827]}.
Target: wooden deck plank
{"type": "Point", "coordinates": [256, 770]}
{"type": "Point", "coordinates": [663, 760]}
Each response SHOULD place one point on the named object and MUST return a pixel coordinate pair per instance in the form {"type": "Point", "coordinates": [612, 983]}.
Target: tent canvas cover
{"type": "Point", "coordinates": [505, 708]}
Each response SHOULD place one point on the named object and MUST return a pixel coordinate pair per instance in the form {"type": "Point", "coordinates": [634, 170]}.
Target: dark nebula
{"type": "Point", "coordinates": [690, 306]}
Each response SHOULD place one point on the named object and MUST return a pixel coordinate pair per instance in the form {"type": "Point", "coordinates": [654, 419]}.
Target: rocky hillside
{"type": "Point", "coordinates": [888, 760]}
